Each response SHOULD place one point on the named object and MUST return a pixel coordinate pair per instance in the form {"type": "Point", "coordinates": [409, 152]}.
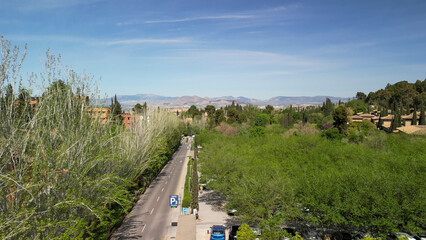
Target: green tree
{"type": "Point", "coordinates": [193, 111]}
{"type": "Point", "coordinates": [357, 105]}
{"type": "Point", "coordinates": [332, 134]}
{"type": "Point", "coordinates": [194, 182]}
{"type": "Point", "coordinates": [261, 120]}
{"type": "Point", "coordinates": [210, 109]}
{"type": "Point", "coordinates": [233, 116]}
{"type": "Point", "coordinates": [422, 120]}
{"type": "Point", "coordinates": [219, 116]}
{"type": "Point", "coordinates": [361, 96]}
{"type": "Point", "coordinates": [414, 120]}
{"type": "Point", "coordinates": [245, 232]}
{"type": "Point", "coordinates": [396, 121]}
{"type": "Point", "coordinates": [340, 117]}
{"type": "Point", "coordinates": [116, 110]}
{"type": "Point", "coordinates": [137, 108]}
{"type": "Point", "coordinates": [327, 107]}
{"type": "Point", "coordinates": [242, 118]}
{"type": "Point", "coordinates": [384, 112]}
{"type": "Point", "coordinates": [269, 108]}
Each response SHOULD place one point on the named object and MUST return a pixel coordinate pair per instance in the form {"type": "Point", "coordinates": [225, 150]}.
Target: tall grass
{"type": "Point", "coordinates": [63, 174]}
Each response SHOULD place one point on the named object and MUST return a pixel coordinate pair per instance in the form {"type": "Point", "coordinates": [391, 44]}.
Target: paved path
{"type": "Point", "coordinates": [211, 213]}
{"type": "Point", "coordinates": [186, 228]}
{"type": "Point", "coordinates": [152, 217]}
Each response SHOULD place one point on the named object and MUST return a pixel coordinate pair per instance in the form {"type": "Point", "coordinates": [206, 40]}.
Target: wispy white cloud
{"type": "Point", "coordinates": [187, 19]}
{"type": "Point", "coordinates": [278, 63]}
{"type": "Point", "coordinates": [97, 42]}
{"type": "Point", "coordinates": [275, 9]}
{"type": "Point", "coordinates": [146, 40]}
{"type": "Point", "coordinates": [234, 16]}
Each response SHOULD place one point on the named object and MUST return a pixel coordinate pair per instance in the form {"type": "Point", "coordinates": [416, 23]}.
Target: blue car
{"type": "Point", "coordinates": [218, 232]}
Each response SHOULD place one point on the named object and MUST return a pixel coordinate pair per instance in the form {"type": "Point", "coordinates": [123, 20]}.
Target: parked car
{"type": "Point", "coordinates": [217, 233]}
{"type": "Point", "coordinates": [233, 232]}
{"type": "Point", "coordinates": [232, 212]}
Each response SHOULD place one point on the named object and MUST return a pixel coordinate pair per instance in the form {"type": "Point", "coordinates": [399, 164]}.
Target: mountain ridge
{"type": "Point", "coordinates": [187, 101]}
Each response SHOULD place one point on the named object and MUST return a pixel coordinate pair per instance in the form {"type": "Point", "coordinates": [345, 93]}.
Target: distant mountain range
{"type": "Point", "coordinates": [128, 101]}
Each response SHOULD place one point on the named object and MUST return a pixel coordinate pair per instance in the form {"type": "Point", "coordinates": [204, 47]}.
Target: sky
{"type": "Point", "coordinates": [251, 48]}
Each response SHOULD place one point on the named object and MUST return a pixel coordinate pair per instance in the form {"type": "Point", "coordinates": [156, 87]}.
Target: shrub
{"type": "Point", "coordinates": [245, 232]}
{"type": "Point", "coordinates": [257, 131]}
{"type": "Point", "coordinates": [332, 134]}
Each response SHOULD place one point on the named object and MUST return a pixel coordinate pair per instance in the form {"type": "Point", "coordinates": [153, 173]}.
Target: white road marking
{"type": "Point", "coordinates": [158, 199]}
{"type": "Point", "coordinates": [151, 211]}
{"type": "Point", "coordinates": [162, 189]}
{"type": "Point", "coordinates": [143, 228]}
{"type": "Point", "coordinates": [166, 182]}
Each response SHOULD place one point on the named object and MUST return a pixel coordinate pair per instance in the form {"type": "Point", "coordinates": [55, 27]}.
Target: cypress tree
{"type": "Point", "coordinates": [194, 183]}
{"type": "Point", "coordinates": [422, 120]}
{"type": "Point", "coordinates": [116, 110]}
{"type": "Point", "coordinates": [414, 120]}
{"type": "Point", "coordinates": [327, 107]}
{"type": "Point", "coordinates": [380, 123]}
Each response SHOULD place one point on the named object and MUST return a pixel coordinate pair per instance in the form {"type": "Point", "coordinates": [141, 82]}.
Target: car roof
{"type": "Point", "coordinates": [218, 227]}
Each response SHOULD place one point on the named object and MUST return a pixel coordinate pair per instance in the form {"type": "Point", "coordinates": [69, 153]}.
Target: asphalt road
{"type": "Point", "coordinates": [151, 217]}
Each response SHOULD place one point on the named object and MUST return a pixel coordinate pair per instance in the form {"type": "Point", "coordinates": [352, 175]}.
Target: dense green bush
{"type": "Point", "coordinates": [329, 183]}
{"type": "Point", "coordinates": [257, 131]}
{"type": "Point", "coordinates": [332, 134]}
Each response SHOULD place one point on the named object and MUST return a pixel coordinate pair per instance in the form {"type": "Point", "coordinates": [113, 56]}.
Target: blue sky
{"type": "Point", "coordinates": [258, 49]}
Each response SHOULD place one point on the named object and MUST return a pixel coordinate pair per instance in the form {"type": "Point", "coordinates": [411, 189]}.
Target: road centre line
{"type": "Point", "coordinates": [158, 199]}
{"type": "Point", "coordinates": [143, 228]}
{"type": "Point", "coordinates": [162, 189]}
{"type": "Point", "coordinates": [151, 211]}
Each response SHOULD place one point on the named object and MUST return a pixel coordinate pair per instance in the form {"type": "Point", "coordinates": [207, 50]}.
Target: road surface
{"type": "Point", "coordinates": [152, 216]}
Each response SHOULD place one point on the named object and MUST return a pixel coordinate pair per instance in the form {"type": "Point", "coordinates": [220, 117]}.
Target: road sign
{"type": "Point", "coordinates": [185, 210]}
{"type": "Point", "coordinates": [174, 200]}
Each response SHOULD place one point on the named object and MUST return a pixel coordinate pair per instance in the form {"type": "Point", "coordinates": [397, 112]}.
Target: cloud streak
{"type": "Point", "coordinates": [188, 19]}
{"type": "Point", "coordinates": [98, 42]}
{"type": "Point", "coordinates": [146, 40]}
